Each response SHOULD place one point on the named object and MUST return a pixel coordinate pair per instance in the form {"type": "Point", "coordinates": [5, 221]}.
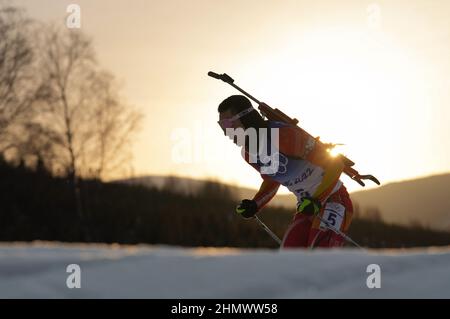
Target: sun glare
{"type": "Point", "coordinates": [344, 85]}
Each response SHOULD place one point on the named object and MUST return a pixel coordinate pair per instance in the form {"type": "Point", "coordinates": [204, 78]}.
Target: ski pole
{"type": "Point", "coordinates": [267, 229]}
{"type": "Point", "coordinates": [338, 232]}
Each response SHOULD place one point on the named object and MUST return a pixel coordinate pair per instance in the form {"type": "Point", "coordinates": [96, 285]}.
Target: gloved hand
{"type": "Point", "coordinates": [247, 208]}
{"type": "Point", "coordinates": [309, 206]}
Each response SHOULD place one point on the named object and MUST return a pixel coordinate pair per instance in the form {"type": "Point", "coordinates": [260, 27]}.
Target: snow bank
{"type": "Point", "coordinates": [38, 270]}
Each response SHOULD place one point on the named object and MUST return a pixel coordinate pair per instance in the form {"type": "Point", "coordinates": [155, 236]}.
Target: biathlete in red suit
{"type": "Point", "coordinates": [301, 165]}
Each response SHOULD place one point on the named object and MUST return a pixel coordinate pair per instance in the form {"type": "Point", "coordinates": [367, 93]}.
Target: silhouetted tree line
{"type": "Point", "coordinates": [34, 205]}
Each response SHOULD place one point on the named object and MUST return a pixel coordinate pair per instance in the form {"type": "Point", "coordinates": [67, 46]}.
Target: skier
{"type": "Point", "coordinates": [304, 167]}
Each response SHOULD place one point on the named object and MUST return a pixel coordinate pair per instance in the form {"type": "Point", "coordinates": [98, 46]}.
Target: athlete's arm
{"type": "Point", "coordinates": [267, 191]}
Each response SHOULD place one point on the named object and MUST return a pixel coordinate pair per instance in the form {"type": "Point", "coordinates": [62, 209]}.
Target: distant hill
{"type": "Point", "coordinates": [424, 200]}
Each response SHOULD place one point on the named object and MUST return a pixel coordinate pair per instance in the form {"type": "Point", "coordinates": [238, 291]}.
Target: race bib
{"type": "Point", "coordinates": [333, 214]}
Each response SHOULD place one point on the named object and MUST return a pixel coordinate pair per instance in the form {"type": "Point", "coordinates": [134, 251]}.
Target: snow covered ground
{"type": "Point", "coordinates": [38, 270]}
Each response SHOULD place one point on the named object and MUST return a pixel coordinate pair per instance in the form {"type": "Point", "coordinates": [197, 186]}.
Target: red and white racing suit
{"type": "Point", "coordinates": [306, 169]}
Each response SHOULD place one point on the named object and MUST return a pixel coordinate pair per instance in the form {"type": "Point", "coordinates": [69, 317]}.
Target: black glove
{"type": "Point", "coordinates": [309, 206]}
{"type": "Point", "coordinates": [247, 208]}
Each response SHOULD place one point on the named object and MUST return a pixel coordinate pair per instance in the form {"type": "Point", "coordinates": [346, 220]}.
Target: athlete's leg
{"type": "Point", "coordinates": [298, 232]}
{"type": "Point", "coordinates": [338, 212]}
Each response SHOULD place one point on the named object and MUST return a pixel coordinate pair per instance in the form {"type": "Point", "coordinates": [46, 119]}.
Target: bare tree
{"type": "Point", "coordinates": [67, 64]}
{"type": "Point", "coordinates": [80, 104]}
{"type": "Point", "coordinates": [113, 126]}
{"type": "Point", "coordinates": [17, 86]}
{"type": "Point", "coordinates": [58, 108]}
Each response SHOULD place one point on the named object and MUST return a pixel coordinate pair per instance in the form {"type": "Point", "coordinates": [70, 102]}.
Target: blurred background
{"type": "Point", "coordinates": [108, 126]}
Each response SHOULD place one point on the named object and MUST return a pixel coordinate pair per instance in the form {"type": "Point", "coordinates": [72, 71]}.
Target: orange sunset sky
{"type": "Point", "coordinates": [374, 75]}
